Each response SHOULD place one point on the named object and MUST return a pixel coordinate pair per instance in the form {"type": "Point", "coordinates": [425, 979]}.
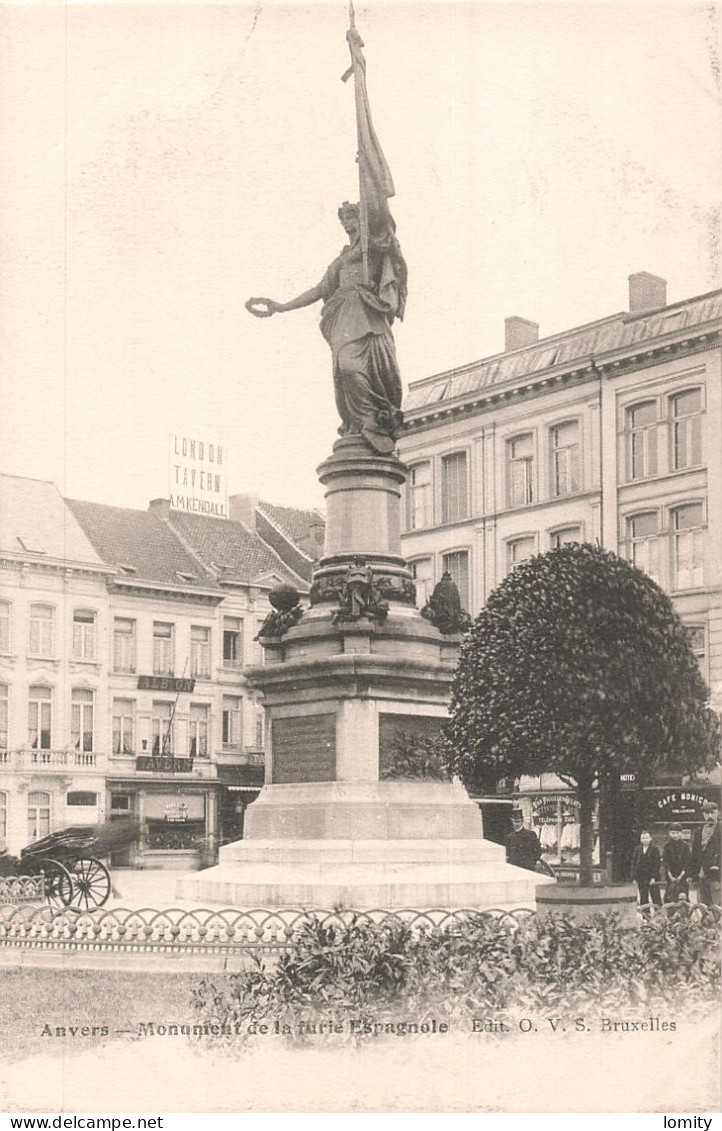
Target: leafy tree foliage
{"type": "Point", "coordinates": [578, 665]}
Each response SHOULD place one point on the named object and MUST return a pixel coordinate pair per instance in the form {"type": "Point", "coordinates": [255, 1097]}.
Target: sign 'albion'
{"type": "Point", "coordinates": [196, 476]}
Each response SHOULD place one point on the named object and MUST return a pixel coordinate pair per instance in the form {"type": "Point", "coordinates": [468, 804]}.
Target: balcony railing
{"type": "Point", "coordinates": [51, 760]}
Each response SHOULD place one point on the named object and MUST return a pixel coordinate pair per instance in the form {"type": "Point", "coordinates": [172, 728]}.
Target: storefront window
{"type": "Point", "coordinates": [174, 822]}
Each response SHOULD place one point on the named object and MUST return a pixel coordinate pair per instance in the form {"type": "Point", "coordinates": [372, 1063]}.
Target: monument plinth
{"type": "Point", "coordinates": [333, 826]}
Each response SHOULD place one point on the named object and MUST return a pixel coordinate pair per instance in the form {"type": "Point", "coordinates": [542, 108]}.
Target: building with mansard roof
{"type": "Point", "coordinates": [609, 432]}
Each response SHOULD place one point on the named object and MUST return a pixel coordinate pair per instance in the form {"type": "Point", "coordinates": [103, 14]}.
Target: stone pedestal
{"type": "Point", "coordinates": [332, 827]}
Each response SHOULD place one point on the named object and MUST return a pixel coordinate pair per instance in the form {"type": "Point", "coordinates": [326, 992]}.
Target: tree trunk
{"type": "Point", "coordinates": [585, 796]}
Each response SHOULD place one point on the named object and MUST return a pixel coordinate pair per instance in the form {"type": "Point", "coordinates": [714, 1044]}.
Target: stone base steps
{"type": "Point", "coordinates": [363, 885]}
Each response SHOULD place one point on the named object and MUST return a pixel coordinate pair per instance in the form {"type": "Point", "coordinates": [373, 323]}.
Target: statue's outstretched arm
{"type": "Point", "coordinates": [265, 307]}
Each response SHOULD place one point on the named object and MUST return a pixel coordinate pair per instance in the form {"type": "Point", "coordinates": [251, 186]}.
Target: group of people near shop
{"type": "Point", "coordinates": [680, 864]}
{"type": "Point", "coordinates": [673, 869]}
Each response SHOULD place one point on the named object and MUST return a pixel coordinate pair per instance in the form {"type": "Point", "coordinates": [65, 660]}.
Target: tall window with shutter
{"type": "Point", "coordinates": [82, 718]}
{"type": "Point", "coordinates": [454, 488]}
{"type": "Point", "coordinates": [520, 470]}
{"type": "Point", "coordinates": [42, 635]}
{"type": "Point", "coordinates": [642, 440]}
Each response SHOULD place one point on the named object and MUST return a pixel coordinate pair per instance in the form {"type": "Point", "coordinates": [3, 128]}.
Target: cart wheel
{"type": "Point", "coordinates": [91, 883]}
{"type": "Point", "coordinates": [58, 883]}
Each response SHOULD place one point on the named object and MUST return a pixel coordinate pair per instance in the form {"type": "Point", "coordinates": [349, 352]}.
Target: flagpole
{"type": "Point", "coordinates": [353, 38]}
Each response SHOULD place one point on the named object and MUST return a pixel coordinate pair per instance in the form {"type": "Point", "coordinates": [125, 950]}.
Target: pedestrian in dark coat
{"type": "Point", "coordinates": [676, 857]}
{"type": "Point", "coordinates": [646, 866]}
{"type": "Point", "coordinates": [522, 845]}
{"type": "Point", "coordinates": [706, 852]}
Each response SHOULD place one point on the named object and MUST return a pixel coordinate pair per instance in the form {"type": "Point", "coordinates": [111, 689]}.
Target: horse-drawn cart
{"type": "Point", "coordinates": [69, 863]}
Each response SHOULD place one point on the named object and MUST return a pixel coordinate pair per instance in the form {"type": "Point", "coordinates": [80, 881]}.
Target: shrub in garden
{"type": "Point", "coordinates": [336, 972]}
{"type": "Point", "coordinates": [578, 665]}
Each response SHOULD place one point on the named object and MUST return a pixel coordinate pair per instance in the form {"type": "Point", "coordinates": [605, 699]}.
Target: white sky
{"type": "Point", "coordinates": [162, 163]}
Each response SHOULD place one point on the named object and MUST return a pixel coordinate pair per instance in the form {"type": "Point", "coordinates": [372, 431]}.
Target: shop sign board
{"type": "Point", "coordinates": [683, 805]}
{"type": "Point", "coordinates": [164, 683]}
{"type": "Point", "coordinates": [545, 809]}
{"type": "Point", "coordinates": [163, 764]}
{"type": "Point", "coordinates": [197, 476]}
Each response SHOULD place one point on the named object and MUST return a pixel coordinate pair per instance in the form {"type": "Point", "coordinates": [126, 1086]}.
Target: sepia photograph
{"type": "Point", "coordinates": [360, 557]}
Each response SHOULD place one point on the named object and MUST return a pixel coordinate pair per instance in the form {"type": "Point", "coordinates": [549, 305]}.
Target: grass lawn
{"type": "Point", "coordinates": [30, 999]}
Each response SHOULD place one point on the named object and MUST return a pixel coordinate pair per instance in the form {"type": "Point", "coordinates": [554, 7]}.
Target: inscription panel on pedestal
{"type": "Point", "coordinates": [304, 749]}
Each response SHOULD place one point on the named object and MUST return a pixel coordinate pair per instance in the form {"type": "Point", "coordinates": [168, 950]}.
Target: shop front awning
{"type": "Point", "coordinates": [241, 778]}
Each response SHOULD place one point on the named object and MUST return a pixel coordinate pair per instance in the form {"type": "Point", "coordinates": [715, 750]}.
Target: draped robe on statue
{"type": "Point", "coordinates": [356, 322]}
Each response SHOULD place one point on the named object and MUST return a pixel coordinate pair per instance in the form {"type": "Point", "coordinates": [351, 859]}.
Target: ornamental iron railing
{"type": "Point", "coordinates": [226, 931]}
{"type": "Point", "coordinates": [22, 889]}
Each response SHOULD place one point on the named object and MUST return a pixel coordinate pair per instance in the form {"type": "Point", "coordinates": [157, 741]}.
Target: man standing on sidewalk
{"type": "Point", "coordinates": [706, 852]}
{"type": "Point", "coordinates": [522, 845]}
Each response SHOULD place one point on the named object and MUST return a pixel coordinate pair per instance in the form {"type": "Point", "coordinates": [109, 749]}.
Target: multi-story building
{"type": "Point", "coordinates": [53, 666]}
{"type": "Point", "coordinates": [610, 432]}
{"type": "Point", "coordinates": [127, 632]}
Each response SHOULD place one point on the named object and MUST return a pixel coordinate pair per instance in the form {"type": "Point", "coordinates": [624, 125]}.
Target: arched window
{"type": "Point", "coordinates": [422, 571]}
{"type": "Point", "coordinates": [519, 549]}
{"type": "Point", "coordinates": [643, 542]}
{"type": "Point", "coordinates": [697, 636]}
{"type": "Point", "coordinates": [564, 447]}
{"type": "Point", "coordinates": [419, 496]}
{"type": "Point", "coordinates": [565, 536]}
{"type": "Point", "coordinates": [642, 440]}
{"type": "Point", "coordinates": [686, 424]}
{"type": "Point", "coordinates": [520, 470]}
{"type": "Point", "coordinates": [688, 546]}
{"type": "Point", "coordinates": [454, 487]}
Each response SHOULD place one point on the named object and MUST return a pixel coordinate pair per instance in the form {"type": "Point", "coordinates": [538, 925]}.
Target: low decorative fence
{"type": "Point", "coordinates": [22, 889]}
{"type": "Point", "coordinates": [204, 931]}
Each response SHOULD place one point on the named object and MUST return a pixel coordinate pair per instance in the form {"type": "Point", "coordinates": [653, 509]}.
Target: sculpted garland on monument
{"type": "Point", "coordinates": [443, 608]}
{"type": "Point", "coordinates": [285, 613]}
{"type": "Point", "coordinates": [390, 588]}
{"type": "Point", "coordinates": [360, 596]}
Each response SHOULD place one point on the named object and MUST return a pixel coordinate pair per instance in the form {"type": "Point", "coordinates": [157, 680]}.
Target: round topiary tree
{"type": "Point", "coordinates": [579, 666]}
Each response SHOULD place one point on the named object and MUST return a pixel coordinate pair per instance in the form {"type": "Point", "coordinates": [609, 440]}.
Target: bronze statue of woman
{"type": "Point", "coordinates": [359, 306]}
{"type": "Point", "coordinates": [363, 290]}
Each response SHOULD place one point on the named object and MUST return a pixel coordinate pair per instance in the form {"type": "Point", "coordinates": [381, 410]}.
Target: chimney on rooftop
{"type": "Point", "coordinates": [161, 507]}
{"type": "Point", "coordinates": [519, 332]}
{"type": "Point", "coordinates": [242, 508]}
{"type": "Point", "coordinates": [316, 534]}
{"type": "Point", "coordinates": [646, 292]}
